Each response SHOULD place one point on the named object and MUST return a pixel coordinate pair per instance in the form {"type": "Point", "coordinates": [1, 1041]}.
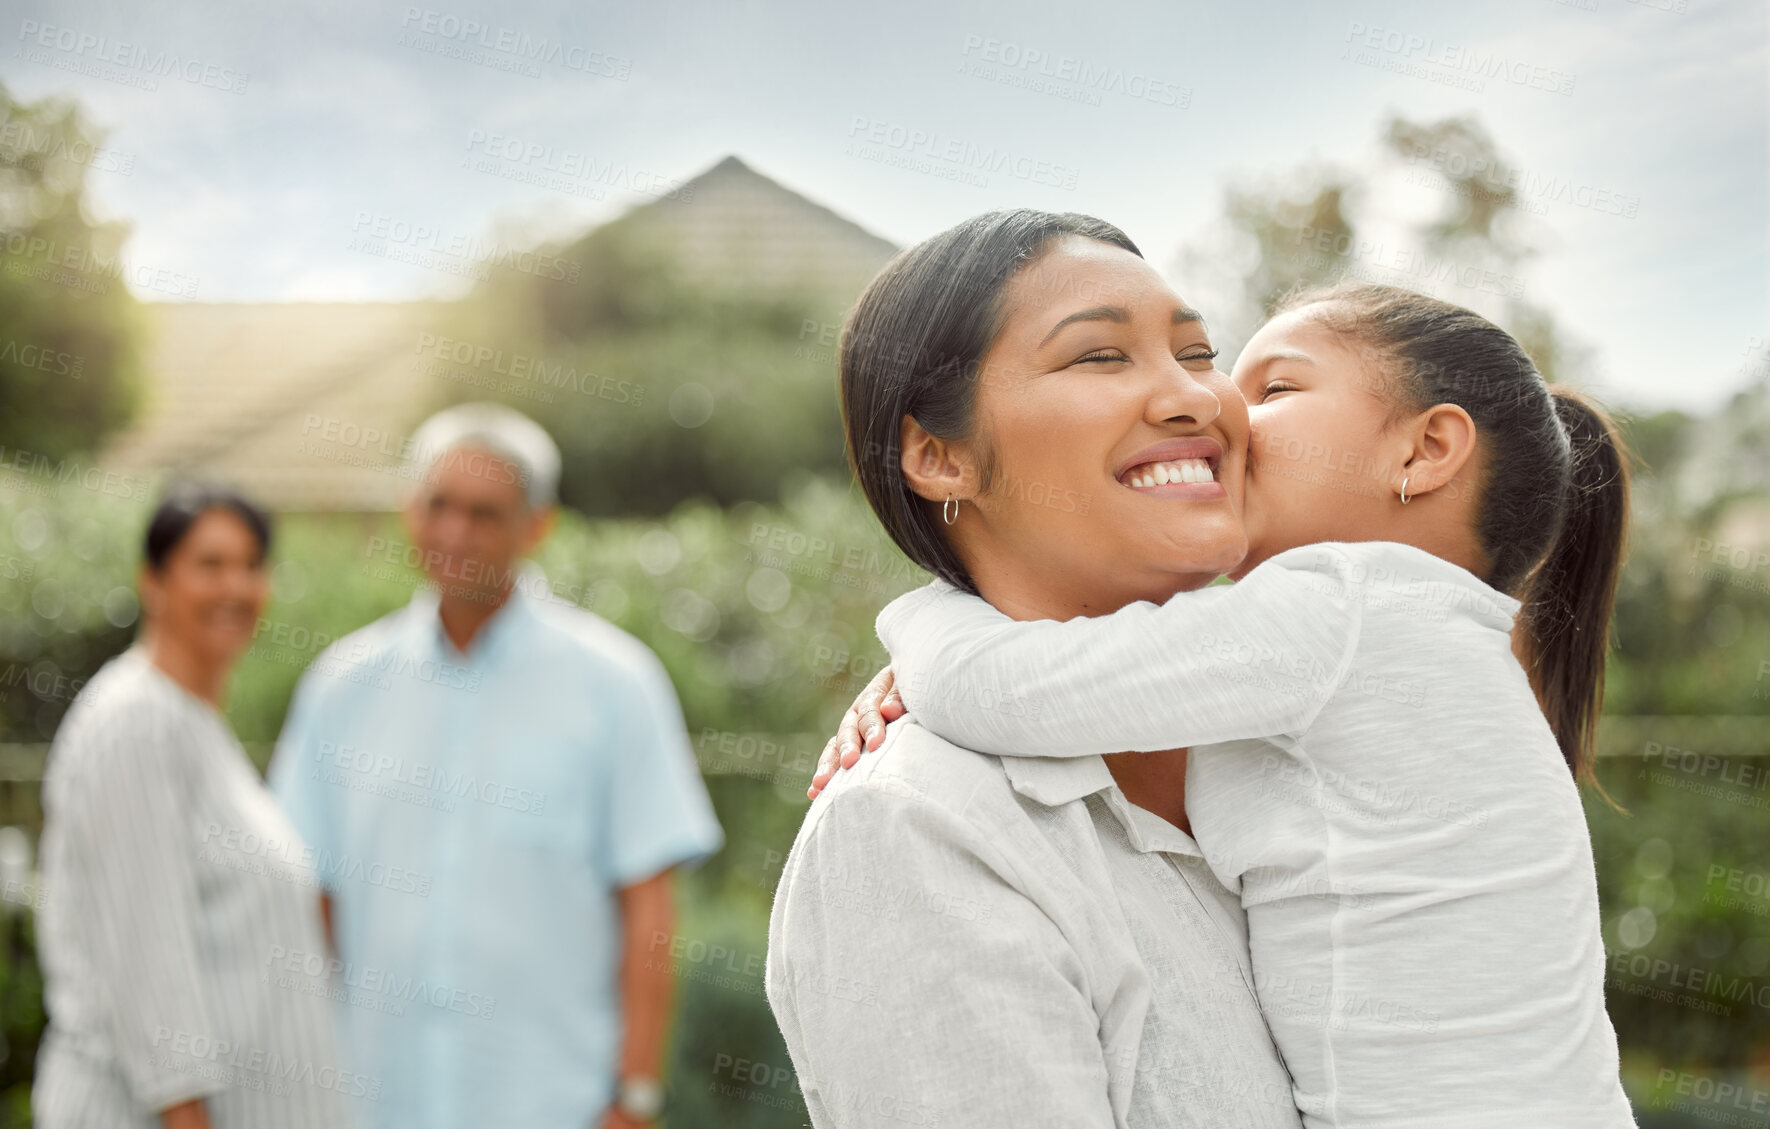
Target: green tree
{"type": "Point", "coordinates": [67, 322]}
{"type": "Point", "coordinates": [1311, 226]}
{"type": "Point", "coordinates": [659, 386]}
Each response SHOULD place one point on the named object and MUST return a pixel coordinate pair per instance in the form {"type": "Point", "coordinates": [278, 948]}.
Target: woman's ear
{"type": "Point", "coordinates": [1444, 442]}
{"type": "Point", "coordinates": [935, 468]}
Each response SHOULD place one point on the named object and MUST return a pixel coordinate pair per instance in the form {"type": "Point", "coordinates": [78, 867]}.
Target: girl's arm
{"type": "Point", "coordinates": [1253, 659]}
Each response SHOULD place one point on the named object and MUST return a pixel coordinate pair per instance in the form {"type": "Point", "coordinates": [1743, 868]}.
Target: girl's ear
{"type": "Point", "coordinates": [936, 468]}
{"type": "Point", "coordinates": [1443, 443]}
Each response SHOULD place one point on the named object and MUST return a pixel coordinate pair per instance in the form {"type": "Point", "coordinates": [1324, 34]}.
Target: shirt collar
{"type": "Point", "coordinates": [1055, 781]}
{"type": "Point", "coordinates": [488, 641]}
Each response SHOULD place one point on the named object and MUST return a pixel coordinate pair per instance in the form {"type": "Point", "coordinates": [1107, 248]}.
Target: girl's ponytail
{"type": "Point", "coordinates": [1570, 596]}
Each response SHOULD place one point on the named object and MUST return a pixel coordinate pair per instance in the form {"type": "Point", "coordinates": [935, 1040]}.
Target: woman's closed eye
{"type": "Point", "coordinates": [1101, 355]}
{"type": "Point", "coordinates": [1273, 388]}
{"type": "Point", "coordinates": [1195, 356]}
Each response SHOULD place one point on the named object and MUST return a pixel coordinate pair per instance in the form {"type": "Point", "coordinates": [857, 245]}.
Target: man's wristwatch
{"type": "Point", "coordinates": [640, 1098]}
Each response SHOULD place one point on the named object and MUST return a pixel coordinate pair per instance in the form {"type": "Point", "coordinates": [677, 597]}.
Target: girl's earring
{"type": "Point", "coordinates": [1404, 491]}
{"type": "Point", "coordinates": [949, 509]}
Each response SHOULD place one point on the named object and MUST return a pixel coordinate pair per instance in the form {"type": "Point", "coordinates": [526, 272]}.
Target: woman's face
{"type": "Point", "coordinates": [1117, 446]}
{"type": "Point", "coordinates": [1322, 465]}
{"type": "Point", "coordinates": [212, 588]}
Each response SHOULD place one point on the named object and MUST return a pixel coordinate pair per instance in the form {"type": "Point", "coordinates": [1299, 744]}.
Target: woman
{"type": "Point", "coordinates": [181, 941]}
{"type": "Point", "coordinates": [1039, 947]}
{"type": "Point", "coordinates": [1406, 812]}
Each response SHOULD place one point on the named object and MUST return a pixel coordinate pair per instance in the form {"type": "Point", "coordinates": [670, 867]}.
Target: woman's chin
{"type": "Point", "coordinates": [1260, 550]}
{"type": "Point", "coordinates": [1206, 564]}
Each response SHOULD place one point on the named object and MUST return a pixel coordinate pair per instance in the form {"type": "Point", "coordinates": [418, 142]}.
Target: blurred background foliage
{"type": "Point", "coordinates": [718, 523]}
{"type": "Point", "coordinates": [67, 355]}
{"type": "Point", "coordinates": [736, 397]}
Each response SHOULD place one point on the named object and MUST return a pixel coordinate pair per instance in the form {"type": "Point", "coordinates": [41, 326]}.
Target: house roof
{"type": "Point", "coordinates": [306, 406]}
{"type": "Point", "coordinates": [734, 227]}
{"type": "Point", "coordinates": [288, 401]}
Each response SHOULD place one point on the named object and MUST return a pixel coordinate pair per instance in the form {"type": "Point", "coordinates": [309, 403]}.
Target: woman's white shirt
{"type": "Point", "coordinates": [179, 925]}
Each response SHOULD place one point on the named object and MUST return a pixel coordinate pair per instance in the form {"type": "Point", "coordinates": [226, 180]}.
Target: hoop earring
{"type": "Point", "coordinates": [949, 509]}
{"type": "Point", "coordinates": [1404, 491]}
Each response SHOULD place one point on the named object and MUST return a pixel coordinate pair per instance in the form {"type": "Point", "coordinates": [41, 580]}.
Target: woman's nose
{"type": "Point", "coordinates": [1182, 397]}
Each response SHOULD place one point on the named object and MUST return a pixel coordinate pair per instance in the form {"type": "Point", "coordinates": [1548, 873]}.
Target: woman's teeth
{"type": "Point", "coordinates": [1161, 474]}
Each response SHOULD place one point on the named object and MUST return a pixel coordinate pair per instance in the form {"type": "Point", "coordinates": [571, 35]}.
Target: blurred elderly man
{"type": "Point", "coordinates": [497, 788]}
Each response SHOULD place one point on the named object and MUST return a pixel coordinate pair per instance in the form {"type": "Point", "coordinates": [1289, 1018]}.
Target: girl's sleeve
{"type": "Point", "coordinates": [1253, 659]}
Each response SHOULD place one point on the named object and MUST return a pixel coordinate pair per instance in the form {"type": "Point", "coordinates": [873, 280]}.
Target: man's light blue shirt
{"type": "Point", "coordinates": [472, 816]}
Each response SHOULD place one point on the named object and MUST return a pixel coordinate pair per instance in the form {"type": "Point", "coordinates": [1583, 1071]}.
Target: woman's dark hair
{"type": "Point", "coordinates": [1554, 497]}
{"type": "Point", "coordinates": [187, 500]}
{"type": "Point", "coordinates": [913, 346]}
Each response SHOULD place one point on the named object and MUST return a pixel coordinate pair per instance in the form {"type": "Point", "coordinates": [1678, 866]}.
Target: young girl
{"type": "Point", "coordinates": [1372, 769]}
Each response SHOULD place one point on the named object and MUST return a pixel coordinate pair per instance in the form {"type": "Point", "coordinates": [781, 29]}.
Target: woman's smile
{"type": "Point", "coordinates": [1176, 468]}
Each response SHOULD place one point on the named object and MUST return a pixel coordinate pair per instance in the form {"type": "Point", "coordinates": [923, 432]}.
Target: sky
{"type": "Point", "coordinates": [253, 147]}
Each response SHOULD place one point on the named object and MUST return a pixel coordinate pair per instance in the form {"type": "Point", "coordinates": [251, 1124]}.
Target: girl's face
{"type": "Point", "coordinates": [1118, 448]}
{"type": "Point", "coordinates": [1322, 463]}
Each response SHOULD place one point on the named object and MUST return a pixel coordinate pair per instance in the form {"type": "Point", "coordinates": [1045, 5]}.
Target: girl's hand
{"type": "Point", "coordinates": [878, 704]}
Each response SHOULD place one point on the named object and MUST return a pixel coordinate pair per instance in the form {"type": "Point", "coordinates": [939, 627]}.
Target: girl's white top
{"type": "Point", "coordinates": [1372, 772]}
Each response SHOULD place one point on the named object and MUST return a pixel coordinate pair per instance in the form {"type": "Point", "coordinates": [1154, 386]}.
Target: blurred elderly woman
{"type": "Point", "coordinates": [180, 930]}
